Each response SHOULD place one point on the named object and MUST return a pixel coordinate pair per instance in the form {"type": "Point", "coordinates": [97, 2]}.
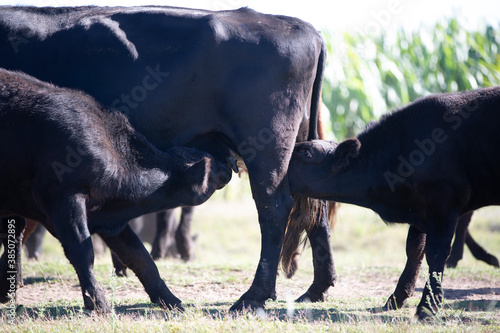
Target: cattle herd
{"type": "Point", "coordinates": [110, 113]}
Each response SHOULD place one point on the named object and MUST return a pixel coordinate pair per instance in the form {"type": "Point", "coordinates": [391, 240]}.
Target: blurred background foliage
{"type": "Point", "coordinates": [369, 75]}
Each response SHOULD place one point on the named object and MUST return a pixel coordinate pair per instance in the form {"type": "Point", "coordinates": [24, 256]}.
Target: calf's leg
{"type": "Point", "coordinates": [479, 252]}
{"type": "Point", "coordinates": [463, 236]}
{"type": "Point", "coordinates": [415, 250]}
{"type": "Point", "coordinates": [69, 218]}
{"type": "Point", "coordinates": [120, 268]}
{"type": "Point", "coordinates": [437, 248]}
{"type": "Point", "coordinates": [132, 253]}
{"type": "Point", "coordinates": [457, 249]}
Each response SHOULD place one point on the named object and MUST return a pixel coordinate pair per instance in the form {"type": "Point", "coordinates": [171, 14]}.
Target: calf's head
{"type": "Point", "coordinates": [320, 169]}
{"type": "Point", "coordinates": [196, 175]}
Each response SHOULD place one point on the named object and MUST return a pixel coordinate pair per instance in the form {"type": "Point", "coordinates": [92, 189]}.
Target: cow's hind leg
{"type": "Point", "coordinates": [69, 218]}
{"type": "Point", "coordinates": [415, 250]}
{"type": "Point", "coordinates": [324, 268]}
{"type": "Point", "coordinates": [457, 249]}
{"type": "Point", "coordinates": [463, 236]}
{"type": "Point", "coordinates": [479, 252]}
{"type": "Point", "coordinates": [132, 253]}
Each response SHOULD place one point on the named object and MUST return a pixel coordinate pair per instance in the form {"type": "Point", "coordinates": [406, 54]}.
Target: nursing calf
{"type": "Point", "coordinates": [426, 164]}
{"type": "Point", "coordinates": [79, 169]}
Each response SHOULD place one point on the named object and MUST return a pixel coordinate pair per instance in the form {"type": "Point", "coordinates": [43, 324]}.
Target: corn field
{"type": "Point", "coordinates": [370, 75]}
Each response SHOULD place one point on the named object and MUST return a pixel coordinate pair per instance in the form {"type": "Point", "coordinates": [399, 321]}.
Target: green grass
{"type": "Point", "coordinates": [369, 258]}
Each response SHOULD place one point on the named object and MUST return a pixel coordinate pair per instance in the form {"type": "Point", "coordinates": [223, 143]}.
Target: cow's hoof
{"type": "Point", "coordinates": [171, 304]}
{"type": "Point", "coordinates": [98, 304]}
{"type": "Point", "coordinates": [184, 248]}
{"type": "Point", "coordinates": [393, 304]}
{"type": "Point", "coordinates": [310, 297]}
{"type": "Point", "coordinates": [451, 263]}
{"type": "Point", "coordinates": [252, 300]}
{"type": "Point", "coordinates": [173, 307]}
{"type": "Point", "coordinates": [4, 299]}
{"type": "Point", "coordinates": [121, 272]}
{"type": "Point", "coordinates": [428, 309]}
{"type": "Point", "coordinates": [247, 305]}
{"type": "Point", "coordinates": [493, 261]}
{"type": "Point", "coordinates": [426, 315]}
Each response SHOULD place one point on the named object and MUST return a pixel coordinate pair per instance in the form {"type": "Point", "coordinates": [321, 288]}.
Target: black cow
{"type": "Point", "coordinates": [426, 164]}
{"type": "Point", "coordinates": [78, 170]}
{"type": "Point", "coordinates": [237, 81]}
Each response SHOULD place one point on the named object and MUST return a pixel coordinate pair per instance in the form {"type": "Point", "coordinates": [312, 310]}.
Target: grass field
{"type": "Point", "coordinates": [369, 257]}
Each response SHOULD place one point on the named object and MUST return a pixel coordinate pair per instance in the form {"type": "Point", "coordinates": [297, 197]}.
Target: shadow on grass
{"type": "Point", "coordinates": [220, 311]}
{"type": "Point", "coordinates": [55, 312]}
{"type": "Point", "coordinates": [305, 314]}
{"type": "Point", "coordinates": [33, 280]}
{"type": "Point", "coordinates": [452, 294]}
{"type": "Point", "coordinates": [478, 305]}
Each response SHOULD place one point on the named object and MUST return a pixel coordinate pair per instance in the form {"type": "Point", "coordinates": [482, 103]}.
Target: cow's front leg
{"type": "Point", "coordinates": [69, 218]}
{"type": "Point", "coordinates": [437, 249]}
{"type": "Point", "coordinates": [273, 215]}
{"type": "Point", "coordinates": [132, 253]}
{"type": "Point", "coordinates": [324, 268]}
{"type": "Point", "coordinates": [415, 250]}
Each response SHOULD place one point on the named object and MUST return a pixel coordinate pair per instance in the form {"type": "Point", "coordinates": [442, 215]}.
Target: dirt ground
{"type": "Point", "coordinates": [351, 286]}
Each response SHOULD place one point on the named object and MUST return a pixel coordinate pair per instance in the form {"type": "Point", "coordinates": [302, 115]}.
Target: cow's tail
{"type": "Point", "coordinates": [306, 211]}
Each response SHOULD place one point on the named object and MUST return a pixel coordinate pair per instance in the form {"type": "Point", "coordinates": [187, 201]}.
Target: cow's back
{"type": "Point", "coordinates": [451, 141]}
{"type": "Point", "coordinates": [48, 134]}
{"type": "Point", "coordinates": [174, 72]}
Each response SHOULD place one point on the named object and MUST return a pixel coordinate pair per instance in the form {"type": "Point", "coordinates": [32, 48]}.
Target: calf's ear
{"type": "Point", "coordinates": [345, 151]}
